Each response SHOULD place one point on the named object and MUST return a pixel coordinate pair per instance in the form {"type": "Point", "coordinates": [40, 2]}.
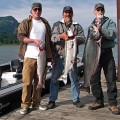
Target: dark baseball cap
{"type": "Point", "coordinates": [99, 5]}
{"type": "Point", "coordinates": [37, 5]}
{"type": "Point", "coordinates": [67, 8]}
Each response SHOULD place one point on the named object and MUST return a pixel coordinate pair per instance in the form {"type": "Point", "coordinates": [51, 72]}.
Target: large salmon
{"type": "Point", "coordinates": [70, 56]}
{"type": "Point", "coordinates": [41, 66]}
{"type": "Point", "coordinates": [91, 56]}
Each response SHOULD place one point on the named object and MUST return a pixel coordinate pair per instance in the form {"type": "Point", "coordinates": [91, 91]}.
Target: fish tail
{"type": "Point", "coordinates": [40, 86]}
{"type": "Point", "coordinates": [85, 88]}
{"type": "Point", "coordinates": [64, 79]}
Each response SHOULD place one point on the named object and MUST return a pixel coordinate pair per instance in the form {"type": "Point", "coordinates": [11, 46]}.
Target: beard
{"type": "Point", "coordinates": [100, 16]}
{"type": "Point", "coordinates": [68, 19]}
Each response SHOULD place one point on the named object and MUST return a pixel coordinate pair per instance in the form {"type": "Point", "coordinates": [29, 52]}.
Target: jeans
{"type": "Point", "coordinates": [108, 64]}
{"type": "Point", "coordinates": [54, 84]}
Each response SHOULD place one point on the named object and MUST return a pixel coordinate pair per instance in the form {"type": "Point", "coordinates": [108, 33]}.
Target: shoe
{"type": "Point", "coordinates": [38, 107]}
{"type": "Point", "coordinates": [34, 106]}
{"type": "Point", "coordinates": [51, 105]}
{"type": "Point", "coordinates": [114, 110]}
{"type": "Point", "coordinates": [42, 107]}
{"type": "Point", "coordinates": [78, 104]}
{"type": "Point", "coordinates": [95, 106]}
{"type": "Point", "coordinates": [24, 111]}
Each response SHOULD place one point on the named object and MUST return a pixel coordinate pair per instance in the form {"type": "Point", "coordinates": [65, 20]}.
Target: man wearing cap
{"type": "Point", "coordinates": [59, 38]}
{"type": "Point", "coordinates": [33, 33]}
{"type": "Point", "coordinates": [107, 29]}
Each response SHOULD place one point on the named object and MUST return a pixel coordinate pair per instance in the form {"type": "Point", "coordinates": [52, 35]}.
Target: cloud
{"type": "Point", "coordinates": [52, 9]}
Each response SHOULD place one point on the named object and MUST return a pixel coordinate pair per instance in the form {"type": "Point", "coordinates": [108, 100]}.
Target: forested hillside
{"type": "Point", "coordinates": [8, 30]}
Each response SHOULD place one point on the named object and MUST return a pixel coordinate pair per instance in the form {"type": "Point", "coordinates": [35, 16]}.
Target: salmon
{"type": "Point", "coordinates": [41, 68]}
{"type": "Point", "coordinates": [71, 53]}
{"type": "Point", "coordinates": [91, 57]}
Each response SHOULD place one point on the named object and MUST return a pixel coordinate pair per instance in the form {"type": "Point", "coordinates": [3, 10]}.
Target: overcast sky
{"type": "Point", "coordinates": [52, 9]}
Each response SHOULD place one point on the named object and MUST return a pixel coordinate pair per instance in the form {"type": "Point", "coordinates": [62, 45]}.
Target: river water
{"type": "Point", "coordinates": [8, 53]}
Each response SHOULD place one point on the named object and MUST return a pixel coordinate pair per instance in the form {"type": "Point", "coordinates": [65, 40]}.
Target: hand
{"type": "Point", "coordinates": [71, 38]}
{"type": "Point", "coordinates": [94, 33]}
{"type": "Point", "coordinates": [37, 42]}
{"type": "Point", "coordinates": [52, 62]}
{"type": "Point", "coordinates": [64, 36]}
{"type": "Point", "coordinates": [99, 27]}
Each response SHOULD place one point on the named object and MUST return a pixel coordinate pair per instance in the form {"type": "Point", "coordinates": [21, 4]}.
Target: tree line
{"type": "Point", "coordinates": [6, 38]}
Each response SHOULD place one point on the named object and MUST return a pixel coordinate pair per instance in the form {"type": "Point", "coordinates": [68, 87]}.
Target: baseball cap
{"type": "Point", "coordinates": [67, 8]}
{"type": "Point", "coordinates": [99, 5]}
{"type": "Point", "coordinates": [37, 5]}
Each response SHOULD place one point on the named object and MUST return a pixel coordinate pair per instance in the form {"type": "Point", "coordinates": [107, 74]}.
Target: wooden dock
{"type": "Point", "coordinates": [65, 110]}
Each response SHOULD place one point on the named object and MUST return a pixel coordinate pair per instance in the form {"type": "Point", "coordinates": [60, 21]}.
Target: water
{"type": "Point", "coordinates": [8, 53]}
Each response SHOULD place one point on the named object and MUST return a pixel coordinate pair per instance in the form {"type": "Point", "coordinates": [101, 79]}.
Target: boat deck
{"type": "Point", "coordinates": [65, 110]}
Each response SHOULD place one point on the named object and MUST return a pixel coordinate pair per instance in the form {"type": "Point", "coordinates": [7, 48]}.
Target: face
{"type": "Point", "coordinates": [99, 12]}
{"type": "Point", "coordinates": [67, 15]}
{"type": "Point", "coordinates": [36, 13]}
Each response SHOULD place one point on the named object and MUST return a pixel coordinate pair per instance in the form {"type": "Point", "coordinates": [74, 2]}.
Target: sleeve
{"type": "Point", "coordinates": [55, 32]}
{"type": "Point", "coordinates": [22, 31]}
{"type": "Point", "coordinates": [80, 37]}
{"type": "Point", "coordinates": [109, 32]}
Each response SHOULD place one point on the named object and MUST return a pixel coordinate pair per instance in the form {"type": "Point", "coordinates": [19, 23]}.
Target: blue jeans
{"type": "Point", "coordinates": [54, 85]}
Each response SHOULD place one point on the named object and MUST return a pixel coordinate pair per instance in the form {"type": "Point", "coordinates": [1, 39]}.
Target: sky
{"type": "Point", "coordinates": [52, 9]}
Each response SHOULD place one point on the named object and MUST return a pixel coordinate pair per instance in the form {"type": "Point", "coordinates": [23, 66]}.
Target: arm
{"type": "Point", "coordinates": [109, 32]}
{"type": "Point", "coordinates": [80, 35]}
{"type": "Point", "coordinates": [23, 34]}
{"type": "Point", "coordinates": [56, 35]}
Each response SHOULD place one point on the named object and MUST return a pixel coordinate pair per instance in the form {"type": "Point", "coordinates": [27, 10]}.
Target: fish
{"type": "Point", "coordinates": [41, 68]}
{"type": "Point", "coordinates": [70, 58]}
{"type": "Point", "coordinates": [92, 53]}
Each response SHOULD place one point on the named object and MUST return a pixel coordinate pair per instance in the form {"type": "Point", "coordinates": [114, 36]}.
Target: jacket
{"type": "Point", "coordinates": [108, 33]}
{"type": "Point", "coordinates": [24, 30]}
{"type": "Point", "coordinates": [59, 28]}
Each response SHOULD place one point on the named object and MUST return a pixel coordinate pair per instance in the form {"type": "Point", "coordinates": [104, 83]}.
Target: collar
{"type": "Point", "coordinates": [74, 23]}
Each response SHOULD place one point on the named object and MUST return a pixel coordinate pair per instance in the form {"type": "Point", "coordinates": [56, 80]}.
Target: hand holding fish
{"type": "Point", "coordinates": [37, 42]}
{"type": "Point", "coordinates": [52, 62]}
{"type": "Point", "coordinates": [71, 38]}
{"type": "Point", "coordinates": [64, 36]}
{"type": "Point", "coordinates": [94, 33]}
{"type": "Point", "coordinates": [99, 27]}
{"type": "Point", "coordinates": [98, 23]}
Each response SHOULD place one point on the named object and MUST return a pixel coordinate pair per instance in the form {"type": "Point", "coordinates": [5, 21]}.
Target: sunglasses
{"type": "Point", "coordinates": [68, 11]}
{"type": "Point", "coordinates": [100, 9]}
{"type": "Point", "coordinates": [35, 9]}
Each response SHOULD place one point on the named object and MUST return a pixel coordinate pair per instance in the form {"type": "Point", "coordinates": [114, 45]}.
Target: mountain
{"type": "Point", "coordinates": [8, 25]}
{"type": "Point", "coordinates": [8, 30]}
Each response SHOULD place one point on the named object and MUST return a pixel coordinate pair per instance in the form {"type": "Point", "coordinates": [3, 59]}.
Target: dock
{"type": "Point", "coordinates": [65, 110]}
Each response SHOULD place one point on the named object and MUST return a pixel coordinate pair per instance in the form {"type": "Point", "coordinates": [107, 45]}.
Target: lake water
{"type": "Point", "coordinates": [8, 53]}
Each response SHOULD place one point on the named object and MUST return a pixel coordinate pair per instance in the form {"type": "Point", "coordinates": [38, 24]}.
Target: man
{"type": "Point", "coordinates": [33, 33]}
{"type": "Point", "coordinates": [107, 29]}
{"type": "Point", "coordinates": [59, 39]}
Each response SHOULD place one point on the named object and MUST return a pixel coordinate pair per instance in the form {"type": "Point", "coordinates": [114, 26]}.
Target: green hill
{"type": "Point", "coordinates": [8, 30]}
{"type": "Point", "coordinates": [8, 24]}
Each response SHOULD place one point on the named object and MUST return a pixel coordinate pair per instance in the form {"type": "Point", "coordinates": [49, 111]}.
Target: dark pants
{"type": "Point", "coordinates": [108, 64]}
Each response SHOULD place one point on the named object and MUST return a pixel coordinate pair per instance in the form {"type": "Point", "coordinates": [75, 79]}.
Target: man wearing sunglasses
{"type": "Point", "coordinates": [33, 33]}
{"type": "Point", "coordinates": [59, 38]}
{"type": "Point", "coordinates": [107, 29]}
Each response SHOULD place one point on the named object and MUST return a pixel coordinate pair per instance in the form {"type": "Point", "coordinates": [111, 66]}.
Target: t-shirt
{"type": "Point", "coordinates": [38, 32]}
